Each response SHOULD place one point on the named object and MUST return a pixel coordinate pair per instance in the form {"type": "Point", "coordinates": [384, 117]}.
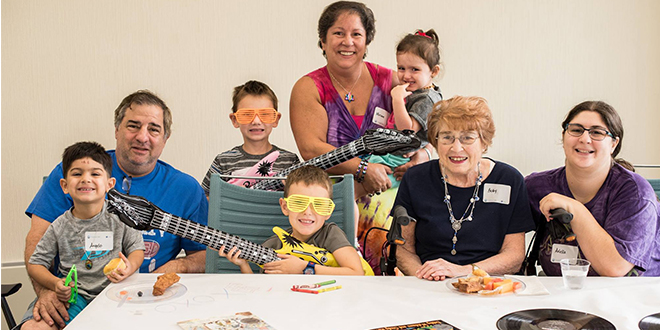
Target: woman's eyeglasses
{"type": "Point", "coordinates": [126, 184]}
{"type": "Point", "coordinates": [299, 203]}
{"type": "Point", "coordinates": [246, 116]}
{"type": "Point", "coordinates": [595, 133]}
{"type": "Point", "coordinates": [448, 139]}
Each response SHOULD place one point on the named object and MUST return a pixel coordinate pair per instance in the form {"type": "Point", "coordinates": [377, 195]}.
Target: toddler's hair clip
{"type": "Point", "coordinates": [421, 33]}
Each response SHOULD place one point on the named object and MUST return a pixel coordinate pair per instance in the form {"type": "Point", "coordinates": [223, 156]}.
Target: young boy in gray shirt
{"type": "Point", "coordinates": [86, 236]}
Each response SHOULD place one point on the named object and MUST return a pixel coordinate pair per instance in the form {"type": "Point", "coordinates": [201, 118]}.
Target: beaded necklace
{"type": "Point", "coordinates": [456, 223]}
{"type": "Point", "coordinates": [349, 97]}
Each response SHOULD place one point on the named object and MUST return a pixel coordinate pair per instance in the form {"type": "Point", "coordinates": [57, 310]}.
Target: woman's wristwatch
{"type": "Point", "coordinates": [310, 270]}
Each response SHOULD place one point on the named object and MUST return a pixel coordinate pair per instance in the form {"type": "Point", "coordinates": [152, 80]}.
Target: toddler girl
{"type": "Point", "coordinates": [418, 62]}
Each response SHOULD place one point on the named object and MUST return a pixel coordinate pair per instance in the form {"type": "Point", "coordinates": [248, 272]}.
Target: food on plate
{"type": "Point", "coordinates": [469, 284]}
{"type": "Point", "coordinates": [481, 283]}
{"type": "Point", "coordinates": [114, 264]}
{"type": "Point", "coordinates": [163, 282]}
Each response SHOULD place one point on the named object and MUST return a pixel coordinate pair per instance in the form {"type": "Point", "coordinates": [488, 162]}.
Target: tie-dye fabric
{"type": "Point", "coordinates": [342, 129]}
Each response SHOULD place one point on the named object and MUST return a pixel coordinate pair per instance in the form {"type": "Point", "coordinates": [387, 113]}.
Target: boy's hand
{"type": "Point", "coordinates": [232, 256]}
{"type": "Point", "coordinates": [120, 274]}
{"type": "Point", "coordinates": [400, 92]}
{"type": "Point", "coordinates": [288, 265]}
{"type": "Point", "coordinates": [63, 292]}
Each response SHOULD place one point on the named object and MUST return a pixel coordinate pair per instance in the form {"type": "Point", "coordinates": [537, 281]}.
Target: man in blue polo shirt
{"type": "Point", "coordinates": [142, 127]}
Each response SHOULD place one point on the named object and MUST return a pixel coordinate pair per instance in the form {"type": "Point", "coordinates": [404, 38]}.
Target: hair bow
{"type": "Point", "coordinates": [421, 33]}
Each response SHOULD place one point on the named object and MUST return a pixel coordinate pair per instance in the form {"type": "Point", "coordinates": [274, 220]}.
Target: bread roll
{"type": "Point", "coordinates": [116, 263]}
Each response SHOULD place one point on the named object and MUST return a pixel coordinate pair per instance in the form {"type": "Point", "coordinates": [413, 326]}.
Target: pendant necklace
{"type": "Point", "coordinates": [456, 223]}
{"type": "Point", "coordinates": [349, 97]}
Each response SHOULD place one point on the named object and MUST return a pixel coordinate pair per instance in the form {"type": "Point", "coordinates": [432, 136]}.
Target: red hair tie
{"type": "Point", "coordinates": [421, 33]}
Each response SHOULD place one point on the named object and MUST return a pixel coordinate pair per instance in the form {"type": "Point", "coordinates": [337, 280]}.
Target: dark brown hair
{"type": "Point", "coordinates": [254, 88]}
{"type": "Point", "coordinates": [308, 175]}
{"type": "Point", "coordinates": [144, 97]}
{"type": "Point", "coordinates": [331, 13]}
{"type": "Point", "coordinates": [607, 113]}
{"type": "Point", "coordinates": [426, 45]}
{"type": "Point", "coordinates": [82, 150]}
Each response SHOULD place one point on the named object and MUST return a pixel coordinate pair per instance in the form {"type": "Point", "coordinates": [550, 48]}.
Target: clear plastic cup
{"type": "Point", "coordinates": [574, 272]}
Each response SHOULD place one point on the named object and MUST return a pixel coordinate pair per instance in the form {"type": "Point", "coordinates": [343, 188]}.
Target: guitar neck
{"type": "Point", "coordinates": [324, 162]}
{"type": "Point", "coordinates": [212, 238]}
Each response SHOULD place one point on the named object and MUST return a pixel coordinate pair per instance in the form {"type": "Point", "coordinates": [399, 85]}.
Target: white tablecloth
{"type": "Point", "coordinates": [362, 303]}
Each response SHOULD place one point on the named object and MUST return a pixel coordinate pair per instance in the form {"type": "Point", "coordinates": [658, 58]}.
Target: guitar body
{"type": "Point", "coordinates": [308, 252]}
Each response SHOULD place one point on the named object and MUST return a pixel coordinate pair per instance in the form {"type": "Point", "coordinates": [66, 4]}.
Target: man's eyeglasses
{"type": "Point", "coordinates": [448, 139]}
{"type": "Point", "coordinates": [596, 133]}
{"type": "Point", "coordinates": [126, 184]}
{"type": "Point", "coordinates": [300, 203]}
{"type": "Point", "coordinates": [246, 116]}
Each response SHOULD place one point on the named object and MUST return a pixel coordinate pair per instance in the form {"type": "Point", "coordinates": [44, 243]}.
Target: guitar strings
{"type": "Point", "coordinates": [250, 251]}
{"type": "Point", "coordinates": [324, 162]}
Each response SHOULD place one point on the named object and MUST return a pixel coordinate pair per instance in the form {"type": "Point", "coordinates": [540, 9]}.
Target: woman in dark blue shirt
{"type": "Point", "coordinates": [469, 209]}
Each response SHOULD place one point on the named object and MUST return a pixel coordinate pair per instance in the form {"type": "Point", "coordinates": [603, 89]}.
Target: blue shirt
{"type": "Point", "coordinates": [166, 187]}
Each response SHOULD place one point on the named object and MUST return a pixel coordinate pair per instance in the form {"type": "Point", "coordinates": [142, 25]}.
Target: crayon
{"type": "Point", "coordinates": [330, 289]}
{"type": "Point", "coordinates": [303, 290]}
{"type": "Point", "coordinates": [315, 285]}
{"type": "Point", "coordinates": [326, 283]}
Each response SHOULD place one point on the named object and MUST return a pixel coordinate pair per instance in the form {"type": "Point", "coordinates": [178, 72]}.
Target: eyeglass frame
{"type": "Point", "coordinates": [255, 114]}
{"type": "Point", "coordinates": [310, 201]}
{"type": "Point", "coordinates": [460, 139]}
{"type": "Point", "coordinates": [592, 129]}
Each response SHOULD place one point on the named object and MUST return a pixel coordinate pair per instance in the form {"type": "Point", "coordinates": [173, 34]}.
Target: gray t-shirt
{"type": "Point", "coordinates": [238, 162]}
{"type": "Point", "coordinates": [419, 105]}
{"type": "Point", "coordinates": [329, 237]}
{"type": "Point", "coordinates": [66, 236]}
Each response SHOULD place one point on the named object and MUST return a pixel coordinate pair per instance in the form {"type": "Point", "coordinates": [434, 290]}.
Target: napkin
{"type": "Point", "coordinates": [534, 287]}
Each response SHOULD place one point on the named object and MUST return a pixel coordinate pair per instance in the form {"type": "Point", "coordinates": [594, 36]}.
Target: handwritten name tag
{"type": "Point", "coordinates": [497, 193]}
{"type": "Point", "coordinates": [98, 240]}
{"type": "Point", "coordinates": [380, 116]}
{"type": "Point", "coordinates": [563, 251]}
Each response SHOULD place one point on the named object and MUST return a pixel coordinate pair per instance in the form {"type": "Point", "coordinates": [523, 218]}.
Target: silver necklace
{"type": "Point", "coordinates": [456, 224]}
{"type": "Point", "coordinates": [349, 97]}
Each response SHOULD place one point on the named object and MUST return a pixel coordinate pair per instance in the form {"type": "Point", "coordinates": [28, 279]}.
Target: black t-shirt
{"type": "Point", "coordinates": [422, 194]}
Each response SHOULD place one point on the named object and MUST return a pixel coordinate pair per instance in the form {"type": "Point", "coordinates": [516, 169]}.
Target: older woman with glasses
{"type": "Point", "coordinates": [469, 209]}
{"type": "Point", "coordinates": [616, 216]}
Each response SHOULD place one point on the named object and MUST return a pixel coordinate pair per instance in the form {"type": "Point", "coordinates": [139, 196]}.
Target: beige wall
{"type": "Point", "coordinates": [67, 64]}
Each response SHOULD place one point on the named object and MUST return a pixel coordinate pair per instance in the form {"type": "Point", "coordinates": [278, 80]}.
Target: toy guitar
{"type": "Point", "coordinates": [379, 141]}
{"type": "Point", "coordinates": [137, 212]}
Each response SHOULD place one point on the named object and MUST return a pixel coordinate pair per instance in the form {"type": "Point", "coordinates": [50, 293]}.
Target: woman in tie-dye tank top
{"type": "Point", "coordinates": [338, 103]}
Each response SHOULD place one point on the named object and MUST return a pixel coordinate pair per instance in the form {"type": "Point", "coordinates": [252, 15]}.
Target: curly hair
{"type": "Point", "coordinates": [464, 113]}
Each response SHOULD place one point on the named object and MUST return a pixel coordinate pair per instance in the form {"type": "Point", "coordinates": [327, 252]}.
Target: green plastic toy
{"type": "Point", "coordinates": [73, 275]}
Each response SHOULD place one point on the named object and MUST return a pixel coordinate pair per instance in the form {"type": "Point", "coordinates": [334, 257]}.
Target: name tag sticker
{"type": "Point", "coordinates": [98, 240]}
{"type": "Point", "coordinates": [497, 193]}
{"type": "Point", "coordinates": [381, 116]}
{"type": "Point", "coordinates": [563, 251]}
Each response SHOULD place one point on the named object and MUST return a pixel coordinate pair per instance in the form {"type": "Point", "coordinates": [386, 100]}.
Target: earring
{"type": "Point", "coordinates": [366, 50]}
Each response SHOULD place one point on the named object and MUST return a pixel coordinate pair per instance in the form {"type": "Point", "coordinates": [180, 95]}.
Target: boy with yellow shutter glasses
{"type": "Point", "coordinates": [308, 204]}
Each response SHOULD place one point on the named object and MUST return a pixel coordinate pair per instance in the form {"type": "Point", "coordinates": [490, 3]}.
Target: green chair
{"type": "Point", "coordinates": [655, 183]}
{"type": "Point", "coordinates": [252, 214]}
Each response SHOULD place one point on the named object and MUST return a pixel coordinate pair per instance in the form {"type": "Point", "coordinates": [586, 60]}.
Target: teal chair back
{"type": "Point", "coordinates": [252, 214]}
{"type": "Point", "coordinates": [655, 183]}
